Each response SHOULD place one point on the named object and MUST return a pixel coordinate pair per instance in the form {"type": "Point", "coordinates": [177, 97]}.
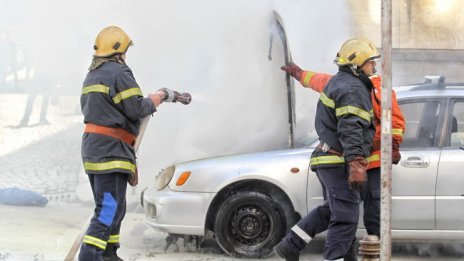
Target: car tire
{"type": "Point", "coordinates": [249, 224]}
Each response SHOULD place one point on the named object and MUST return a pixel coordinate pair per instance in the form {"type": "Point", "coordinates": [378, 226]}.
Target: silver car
{"type": "Point", "coordinates": [249, 201]}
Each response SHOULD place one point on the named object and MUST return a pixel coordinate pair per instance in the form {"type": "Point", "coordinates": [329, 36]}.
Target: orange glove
{"type": "Point", "coordinates": [396, 155]}
{"type": "Point", "coordinates": [357, 176]}
{"type": "Point", "coordinates": [134, 179]}
{"type": "Point", "coordinates": [294, 70]}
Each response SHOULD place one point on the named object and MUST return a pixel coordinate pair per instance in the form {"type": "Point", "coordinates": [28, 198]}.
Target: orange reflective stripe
{"type": "Point", "coordinates": [116, 133]}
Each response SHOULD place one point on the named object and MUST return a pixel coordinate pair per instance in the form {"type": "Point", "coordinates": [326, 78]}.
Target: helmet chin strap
{"type": "Point", "coordinates": [355, 69]}
{"type": "Point", "coordinates": [120, 59]}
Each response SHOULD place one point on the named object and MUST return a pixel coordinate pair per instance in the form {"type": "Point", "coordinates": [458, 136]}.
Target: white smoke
{"type": "Point", "coordinates": [216, 50]}
{"type": "Point", "coordinates": [221, 57]}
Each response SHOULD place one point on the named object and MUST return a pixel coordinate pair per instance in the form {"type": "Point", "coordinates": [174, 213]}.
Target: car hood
{"type": "Point", "coordinates": [212, 174]}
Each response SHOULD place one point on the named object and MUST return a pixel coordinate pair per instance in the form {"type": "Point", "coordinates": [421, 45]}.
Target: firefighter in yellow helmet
{"type": "Point", "coordinates": [344, 123]}
{"type": "Point", "coordinates": [113, 105]}
{"type": "Point", "coordinates": [111, 40]}
{"type": "Point", "coordinates": [371, 200]}
{"type": "Point", "coordinates": [356, 53]}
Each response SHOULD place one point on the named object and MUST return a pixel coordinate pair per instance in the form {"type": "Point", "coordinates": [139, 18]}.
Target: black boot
{"type": "Point", "coordinates": [284, 251]}
{"type": "Point", "coordinates": [110, 253]}
{"type": "Point", "coordinates": [351, 254]}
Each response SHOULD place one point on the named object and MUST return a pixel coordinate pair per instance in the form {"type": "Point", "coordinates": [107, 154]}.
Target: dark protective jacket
{"type": "Point", "coordinates": [317, 82]}
{"type": "Point", "coordinates": [111, 97]}
{"type": "Point", "coordinates": [344, 120]}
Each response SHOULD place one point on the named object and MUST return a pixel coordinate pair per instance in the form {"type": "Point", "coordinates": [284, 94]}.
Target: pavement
{"type": "Point", "coordinates": [41, 157]}
{"type": "Point", "coordinates": [46, 234]}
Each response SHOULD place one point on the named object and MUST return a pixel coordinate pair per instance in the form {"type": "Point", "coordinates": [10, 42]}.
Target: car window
{"type": "Point", "coordinates": [457, 124]}
{"type": "Point", "coordinates": [421, 119]}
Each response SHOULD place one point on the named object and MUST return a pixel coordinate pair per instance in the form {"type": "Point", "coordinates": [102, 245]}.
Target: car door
{"type": "Point", "coordinates": [414, 178]}
{"type": "Point", "coordinates": [450, 181]}
{"type": "Point", "coordinates": [413, 187]}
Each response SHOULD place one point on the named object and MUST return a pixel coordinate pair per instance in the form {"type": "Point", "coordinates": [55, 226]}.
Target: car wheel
{"type": "Point", "coordinates": [249, 224]}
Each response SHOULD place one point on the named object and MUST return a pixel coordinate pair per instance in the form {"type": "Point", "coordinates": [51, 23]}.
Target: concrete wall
{"type": "Point", "coordinates": [422, 24]}
{"type": "Point", "coordinates": [410, 65]}
{"type": "Point", "coordinates": [428, 36]}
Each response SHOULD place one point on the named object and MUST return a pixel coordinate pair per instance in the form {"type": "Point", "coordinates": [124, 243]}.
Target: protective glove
{"type": "Point", "coordinates": [357, 174]}
{"type": "Point", "coordinates": [134, 179]}
{"type": "Point", "coordinates": [294, 70]}
{"type": "Point", "coordinates": [173, 96]}
{"type": "Point", "coordinates": [396, 155]}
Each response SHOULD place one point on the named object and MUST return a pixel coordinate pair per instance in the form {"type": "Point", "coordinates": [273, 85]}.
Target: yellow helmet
{"type": "Point", "coordinates": [356, 52]}
{"type": "Point", "coordinates": [111, 40]}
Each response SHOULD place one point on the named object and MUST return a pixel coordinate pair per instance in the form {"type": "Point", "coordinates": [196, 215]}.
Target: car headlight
{"type": "Point", "coordinates": [164, 176]}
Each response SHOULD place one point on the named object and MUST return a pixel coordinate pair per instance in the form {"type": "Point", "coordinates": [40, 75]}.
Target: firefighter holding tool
{"type": "Point", "coordinates": [113, 106]}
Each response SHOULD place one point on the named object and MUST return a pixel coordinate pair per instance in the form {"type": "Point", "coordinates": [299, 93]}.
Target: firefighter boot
{"type": "Point", "coordinates": [351, 254]}
{"type": "Point", "coordinates": [110, 253]}
{"type": "Point", "coordinates": [285, 251]}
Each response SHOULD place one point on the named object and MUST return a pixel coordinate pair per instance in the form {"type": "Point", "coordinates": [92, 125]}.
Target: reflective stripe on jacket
{"type": "Point", "coordinates": [112, 98]}
{"type": "Point", "coordinates": [344, 120]}
{"type": "Point", "coordinates": [398, 124]}
{"type": "Point", "coordinates": [317, 82]}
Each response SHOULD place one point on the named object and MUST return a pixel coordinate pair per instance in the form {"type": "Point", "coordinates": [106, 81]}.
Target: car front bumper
{"type": "Point", "coordinates": [176, 212]}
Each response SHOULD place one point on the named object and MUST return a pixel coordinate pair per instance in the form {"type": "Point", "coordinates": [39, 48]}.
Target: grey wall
{"type": "Point", "coordinates": [411, 65]}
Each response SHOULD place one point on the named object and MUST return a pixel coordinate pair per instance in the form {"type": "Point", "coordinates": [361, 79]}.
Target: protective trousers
{"type": "Point", "coordinates": [338, 215]}
{"type": "Point", "coordinates": [371, 198]}
{"type": "Point", "coordinates": [109, 192]}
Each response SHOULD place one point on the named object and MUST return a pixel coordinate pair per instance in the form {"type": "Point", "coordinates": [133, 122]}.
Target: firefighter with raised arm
{"type": "Point", "coordinates": [113, 106]}
{"type": "Point", "coordinates": [371, 196]}
{"type": "Point", "coordinates": [345, 125]}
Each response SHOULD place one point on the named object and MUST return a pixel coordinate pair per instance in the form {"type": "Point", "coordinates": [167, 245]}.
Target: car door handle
{"type": "Point", "coordinates": [415, 162]}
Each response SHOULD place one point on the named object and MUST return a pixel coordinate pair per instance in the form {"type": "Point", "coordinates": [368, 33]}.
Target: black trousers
{"type": "Point", "coordinates": [338, 215]}
{"type": "Point", "coordinates": [109, 192]}
{"type": "Point", "coordinates": [371, 198]}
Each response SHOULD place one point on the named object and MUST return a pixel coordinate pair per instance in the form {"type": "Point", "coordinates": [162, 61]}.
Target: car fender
{"type": "Point", "coordinates": [286, 169]}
